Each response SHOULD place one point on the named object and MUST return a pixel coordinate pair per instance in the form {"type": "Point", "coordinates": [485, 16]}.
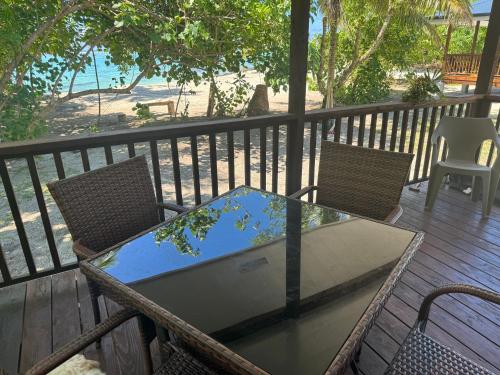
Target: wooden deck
{"type": "Point", "coordinates": [41, 315]}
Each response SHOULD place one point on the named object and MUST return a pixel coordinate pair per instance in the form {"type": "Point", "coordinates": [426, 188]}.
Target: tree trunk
{"type": "Point", "coordinates": [211, 100]}
{"type": "Point", "coordinates": [334, 17]}
{"type": "Point", "coordinates": [321, 69]}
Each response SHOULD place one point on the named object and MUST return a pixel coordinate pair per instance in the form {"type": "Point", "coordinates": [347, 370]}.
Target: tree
{"type": "Point", "coordinates": [367, 23]}
{"type": "Point", "coordinates": [183, 40]}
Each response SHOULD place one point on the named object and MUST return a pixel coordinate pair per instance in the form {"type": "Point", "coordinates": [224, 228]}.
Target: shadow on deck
{"type": "Point", "coordinates": [41, 315]}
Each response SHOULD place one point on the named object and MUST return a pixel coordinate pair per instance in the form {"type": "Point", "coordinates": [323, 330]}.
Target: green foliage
{"type": "Point", "coordinates": [420, 88]}
{"type": "Point", "coordinates": [236, 97]}
{"type": "Point", "coordinates": [370, 84]}
{"type": "Point", "coordinates": [142, 111]}
{"type": "Point", "coordinates": [20, 118]}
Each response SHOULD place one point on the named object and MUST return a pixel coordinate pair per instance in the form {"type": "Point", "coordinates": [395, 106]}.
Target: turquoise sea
{"type": "Point", "coordinates": [87, 80]}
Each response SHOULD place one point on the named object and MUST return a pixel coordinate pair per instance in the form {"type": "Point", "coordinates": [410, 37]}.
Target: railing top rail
{"type": "Point", "coordinates": [462, 54]}
{"type": "Point", "coordinates": [363, 109]}
{"type": "Point", "coordinates": [160, 130]}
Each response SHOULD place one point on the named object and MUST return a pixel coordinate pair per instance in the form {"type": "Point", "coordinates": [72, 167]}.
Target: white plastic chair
{"type": "Point", "coordinates": [464, 136]}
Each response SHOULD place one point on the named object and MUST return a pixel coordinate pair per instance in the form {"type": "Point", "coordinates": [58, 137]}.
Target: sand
{"type": "Point", "coordinates": [80, 115]}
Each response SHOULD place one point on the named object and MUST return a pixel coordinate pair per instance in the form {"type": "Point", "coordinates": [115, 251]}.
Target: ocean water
{"type": "Point", "coordinates": [109, 75]}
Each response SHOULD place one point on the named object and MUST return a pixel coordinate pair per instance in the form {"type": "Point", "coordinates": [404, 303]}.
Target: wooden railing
{"type": "Point", "coordinates": [192, 162]}
{"type": "Point", "coordinates": [463, 68]}
{"type": "Point", "coordinates": [462, 63]}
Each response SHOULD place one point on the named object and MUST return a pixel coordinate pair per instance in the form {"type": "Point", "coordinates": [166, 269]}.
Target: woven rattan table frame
{"type": "Point", "coordinates": [221, 356]}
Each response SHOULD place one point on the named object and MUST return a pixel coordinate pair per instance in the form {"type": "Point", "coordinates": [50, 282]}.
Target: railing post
{"type": "Point", "coordinates": [489, 61]}
{"type": "Point", "coordinates": [299, 38]}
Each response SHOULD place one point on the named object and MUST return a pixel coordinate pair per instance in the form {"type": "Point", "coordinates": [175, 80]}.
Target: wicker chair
{"type": "Point", "coordinates": [422, 355]}
{"type": "Point", "coordinates": [178, 360]}
{"type": "Point", "coordinates": [362, 181]}
{"type": "Point", "coordinates": [106, 206]}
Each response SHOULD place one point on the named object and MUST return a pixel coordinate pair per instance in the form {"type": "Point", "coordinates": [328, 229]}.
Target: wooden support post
{"type": "Point", "coordinates": [299, 39]}
{"type": "Point", "coordinates": [489, 61]}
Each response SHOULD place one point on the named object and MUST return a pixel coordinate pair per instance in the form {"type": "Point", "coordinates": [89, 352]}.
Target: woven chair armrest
{"type": "Point", "coordinates": [423, 313]}
{"type": "Point", "coordinates": [394, 215]}
{"type": "Point", "coordinates": [298, 194]}
{"type": "Point", "coordinates": [81, 251]}
{"type": "Point", "coordinates": [77, 345]}
{"type": "Point", "coordinates": [172, 207]}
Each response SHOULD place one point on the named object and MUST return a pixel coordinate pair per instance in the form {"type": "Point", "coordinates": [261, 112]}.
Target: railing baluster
{"type": "Point", "coordinates": [312, 156]}
{"type": "Point", "coordinates": [413, 130]}
{"type": "Point", "coordinates": [324, 129]}
{"type": "Point", "coordinates": [263, 151]}
{"type": "Point", "coordinates": [230, 158]}
{"type": "Point", "coordinates": [108, 153]}
{"type": "Point", "coordinates": [373, 130]}
{"type": "Point", "coordinates": [428, 147]}
{"type": "Point", "coordinates": [383, 133]}
{"type": "Point", "coordinates": [59, 165]}
{"type": "Point", "coordinates": [492, 147]}
{"type": "Point", "coordinates": [404, 128]}
{"type": "Point", "coordinates": [246, 151]}
{"type": "Point", "coordinates": [276, 150]}
{"type": "Point", "coordinates": [42, 208]}
{"type": "Point", "coordinates": [213, 164]}
{"type": "Point", "coordinates": [350, 129]}
{"type": "Point", "coordinates": [196, 170]}
{"type": "Point", "coordinates": [460, 110]}
{"type": "Point", "coordinates": [394, 130]}
{"type": "Point", "coordinates": [157, 175]}
{"type": "Point", "coordinates": [85, 159]}
{"type": "Point", "coordinates": [451, 110]}
{"type": "Point", "coordinates": [467, 110]}
{"type": "Point", "coordinates": [177, 171]}
{"type": "Point", "coordinates": [4, 270]}
{"type": "Point", "coordinates": [361, 130]}
{"type": "Point", "coordinates": [131, 150]}
{"type": "Point", "coordinates": [441, 139]}
{"type": "Point", "coordinates": [421, 139]}
{"type": "Point", "coordinates": [337, 129]}
{"type": "Point", "coordinates": [16, 215]}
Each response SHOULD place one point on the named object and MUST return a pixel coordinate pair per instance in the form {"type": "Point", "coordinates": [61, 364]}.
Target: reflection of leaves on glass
{"type": "Point", "coordinates": [107, 260]}
{"type": "Point", "coordinates": [311, 217]}
{"type": "Point", "coordinates": [199, 223]}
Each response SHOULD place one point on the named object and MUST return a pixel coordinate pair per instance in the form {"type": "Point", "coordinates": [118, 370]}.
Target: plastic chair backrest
{"type": "Point", "coordinates": [464, 136]}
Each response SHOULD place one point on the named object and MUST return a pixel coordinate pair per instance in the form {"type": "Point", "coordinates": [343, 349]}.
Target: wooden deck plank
{"type": "Point", "coordinates": [65, 314]}
{"type": "Point", "coordinates": [37, 329]}
{"type": "Point", "coordinates": [453, 306]}
{"type": "Point", "coordinates": [11, 325]}
{"type": "Point", "coordinates": [127, 344]}
{"type": "Point", "coordinates": [486, 309]}
{"type": "Point", "coordinates": [471, 222]}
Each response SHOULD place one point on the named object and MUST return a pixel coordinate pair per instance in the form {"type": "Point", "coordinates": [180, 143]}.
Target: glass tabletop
{"type": "Point", "coordinates": [280, 281]}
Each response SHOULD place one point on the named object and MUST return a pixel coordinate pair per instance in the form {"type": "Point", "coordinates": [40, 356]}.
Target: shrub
{"type": "Point", "coordinates": [370, 84]}
{"type": "Point", "coordinates": [20, 117]}
{"type": "Point", "coordinates": [421, 88]}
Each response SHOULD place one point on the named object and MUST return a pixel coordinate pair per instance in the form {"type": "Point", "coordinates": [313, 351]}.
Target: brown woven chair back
{"type": "Point", "coordinates": [361, 181]}
{"type": "Point", "coordinates": [108, 205]}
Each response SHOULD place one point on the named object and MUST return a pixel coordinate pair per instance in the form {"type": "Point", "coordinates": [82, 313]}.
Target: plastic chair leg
{"type": "Point", "coordinates": [494, 180]}
{"type": "Point", "coordinates": [435, 180]}
{"type": "Point", "coordinates": [486, 189]}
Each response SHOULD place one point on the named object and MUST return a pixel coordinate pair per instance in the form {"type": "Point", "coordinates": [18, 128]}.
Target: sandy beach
{"type": "Point", "coordinates": [80, 115]}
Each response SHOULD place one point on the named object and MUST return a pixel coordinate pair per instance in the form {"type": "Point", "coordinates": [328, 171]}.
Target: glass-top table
{"type": "Point", "coordinates": [281, 282]}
